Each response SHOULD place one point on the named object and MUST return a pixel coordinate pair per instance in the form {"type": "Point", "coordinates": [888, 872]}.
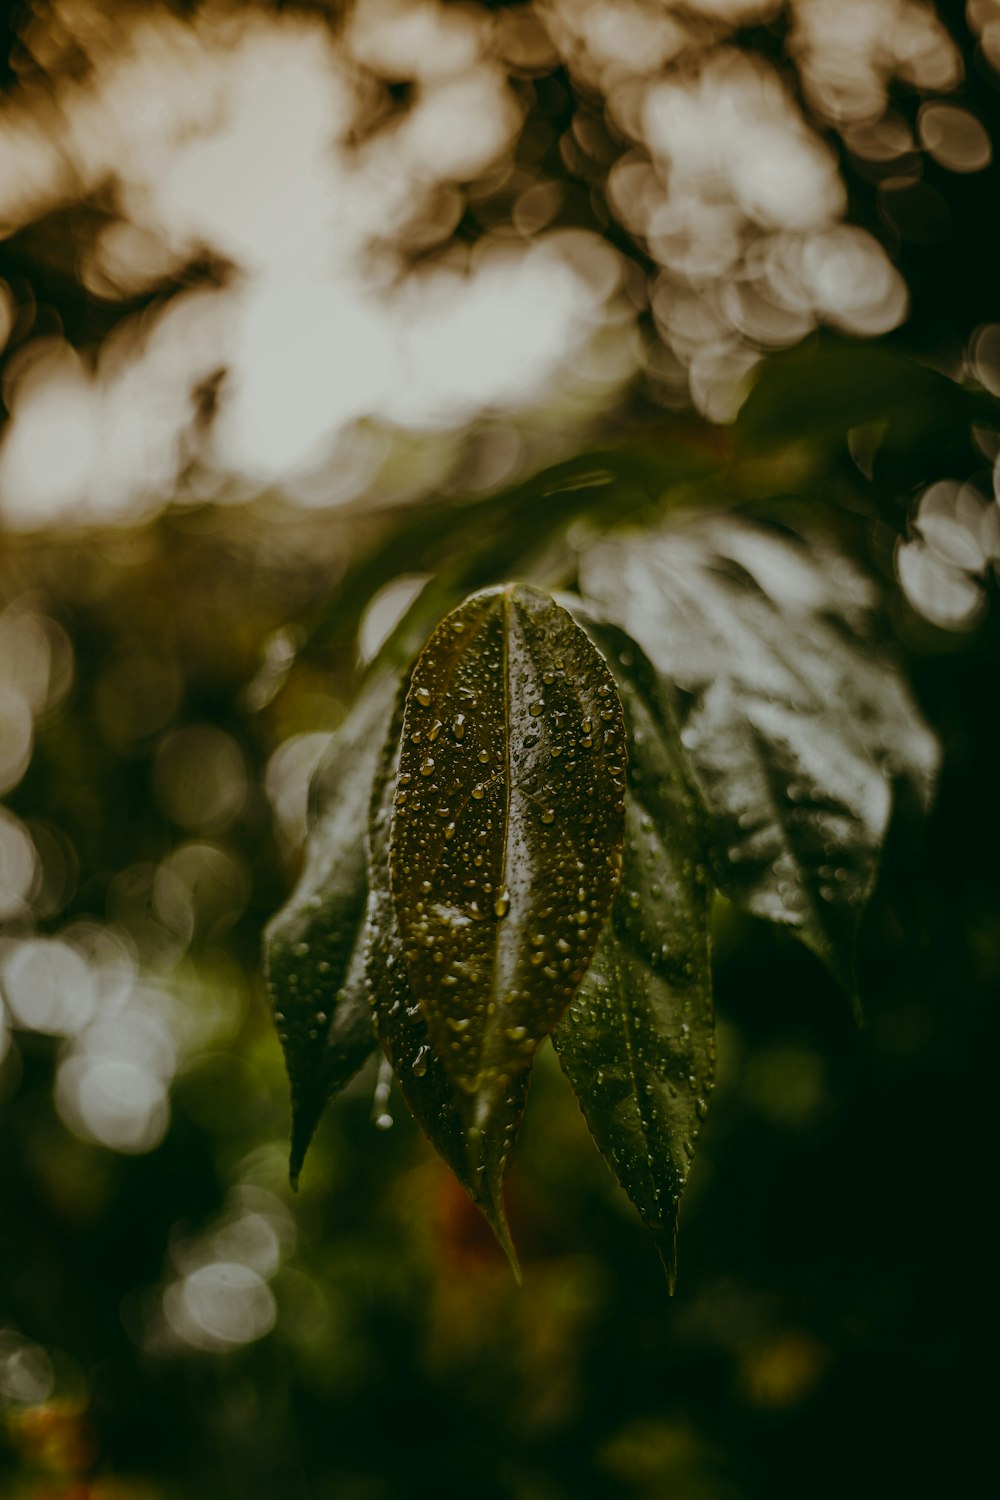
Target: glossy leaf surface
{"type": "Point", "coordinates": [506, 831]}
{"type": "Point", "coordinates": [638, 1041]}
{"type": "Point", "coordinates": [313, 948]}
{"type": "Point", "coordinates": [796, 724]}
{"type": "Point", "coordinates": [479, 1161]}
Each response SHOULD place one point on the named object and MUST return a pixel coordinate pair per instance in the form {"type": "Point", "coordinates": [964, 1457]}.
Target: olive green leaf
{"type": "Point", "coordinates": [506, 833]}
{"type": "Point", "coordinates": [638, 1040]}
{"type": "Point", "coordinates": [313, 948]}
{"type": "Point", "coordinates": [480, 1162]}
{"type": "Point", "coordinates": [795, 720]}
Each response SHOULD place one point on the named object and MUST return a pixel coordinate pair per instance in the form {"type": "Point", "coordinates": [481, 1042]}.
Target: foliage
{"type": "Point", "coordinates": [173, 1324]}
{"type": "Point", "coordinates": [768, 729]}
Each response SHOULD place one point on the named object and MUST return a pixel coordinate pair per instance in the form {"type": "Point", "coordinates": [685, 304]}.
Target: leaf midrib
{"type": "Point", "coordinates": [492, 1012]}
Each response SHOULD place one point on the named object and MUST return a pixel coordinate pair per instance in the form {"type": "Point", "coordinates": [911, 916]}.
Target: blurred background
{"type": "Point", "coordinates": [294, 301]}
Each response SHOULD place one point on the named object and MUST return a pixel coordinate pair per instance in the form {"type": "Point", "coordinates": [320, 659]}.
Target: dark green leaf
{"type": "Point", "coordinates": [829, 385]}
{"type": "Point", "coordinates": [313, 948]}
{"type": "Point", "coordinates": [506, 832]}
{"type": "Point", "coordinates": [638, 1040]}
{"type": "Point", "coordinates": [796, 722]}
{"type": "Point", "coordinates": [479, 1163]}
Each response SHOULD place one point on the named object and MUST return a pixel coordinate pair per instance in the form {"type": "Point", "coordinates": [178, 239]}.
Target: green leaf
{"type": "Point", "coordinates": [638, 1040]}
{"type": "Point", "coordinates": [796, 721]}
{"type": "Point", "coordinates": [506, 832]}
{"type": "Point", "coordinates": [480, 1164]}
{"type": "Point", "coordinates": [818, 392]}
{"type": "Point", "coordinates": [313, 948]}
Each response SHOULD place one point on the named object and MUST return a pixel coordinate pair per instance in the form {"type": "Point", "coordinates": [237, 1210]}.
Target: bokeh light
{"type": "Point", "coordinates": [305, 192]}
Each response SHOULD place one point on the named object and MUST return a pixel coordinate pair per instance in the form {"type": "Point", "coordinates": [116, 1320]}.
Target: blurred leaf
{"type": "Point", "coordinates": [506, 833]}
{"type": "Point", "coordinates": [796, 724]}
{"type": "Point", "coordinates": [828, 385]}
{"type": "Point", "coordinates": [480, 1164]}
{"type": "Point", "coordinates": [638, 1040]}
{"type": "Point", "coordinates": [313, 948]}
{"type": "Point", "coordinates": [469, 543]}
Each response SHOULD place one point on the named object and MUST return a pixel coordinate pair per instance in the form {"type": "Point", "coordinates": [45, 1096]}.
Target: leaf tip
{"type": "Point", "coordinates": [496, 1217]}
{"type": "Point", "coordinates": [489, 1197]}
{"type": "Point", "coordinates": [302, 1134]}
{"type": "Point", "coordinates": [666, 1248]}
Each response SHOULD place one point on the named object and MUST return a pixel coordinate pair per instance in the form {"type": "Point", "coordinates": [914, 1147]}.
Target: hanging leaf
{"type": "Point", "coordinates": [638, 1040]}
{"type": "Point", "coordinates": [313, 948]}
{"type": "Point", "coordinates": [795, 721]}
{"type": "Point", "coordinates": [506, 832]}
{"type": "Point", "coordinates": [479, 1163]}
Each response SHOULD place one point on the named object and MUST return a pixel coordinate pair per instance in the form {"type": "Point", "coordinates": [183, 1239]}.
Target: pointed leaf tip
{"type": "Point", "coordinates": [666, 1249]}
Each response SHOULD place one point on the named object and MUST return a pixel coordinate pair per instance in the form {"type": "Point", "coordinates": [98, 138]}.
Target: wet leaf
{"type": "Point", "coordinates": [638, 1040]}
{"type": "Point", "coordinates": [796, 721]}
{"type": "Point", "coordinates": [479, 1163]}
{"type": "Point", "coordinates": [506, 832]}
{"type": "Point", "coordinates": [313, 948]}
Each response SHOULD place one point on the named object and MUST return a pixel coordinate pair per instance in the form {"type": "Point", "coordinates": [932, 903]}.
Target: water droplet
{"type": "Point", "coordinates": [478, 792]}
{"type": "Point", "coordinates": [423, 696]}
{"type": "Point", "coordinates": [535, 709]}
{"type": "Point", "coordinates": [458, 727]}
{"type": "Point", "coordinates": [427, 767]}
{"type": "Point", "coordinates": [484, 756]}
{"type": "Point", "coordinates": [301, 949]}
{"type": "Point", "coordinates": [420, 1061]}
{"type": "Point", "coordinates": [383, 1121]}
{"type": "Point", "coordinates": [434, 730]}
{"type": "Point", "coordinates": [501, 905]}
{"type": "Point", "coordinates": [548, 816]}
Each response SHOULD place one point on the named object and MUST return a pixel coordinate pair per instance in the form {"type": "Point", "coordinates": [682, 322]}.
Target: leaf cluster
{"type": "Point", "coordinates": [520, 834]}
